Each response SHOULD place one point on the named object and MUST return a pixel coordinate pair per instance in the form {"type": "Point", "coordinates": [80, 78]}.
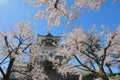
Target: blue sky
{"type": "Point", "coordinates": [12, 11]}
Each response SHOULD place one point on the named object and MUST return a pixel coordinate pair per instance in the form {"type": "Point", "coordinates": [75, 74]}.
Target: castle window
{"type": "Point", "coordinates": [54, 52]}
{"type": "Point", "coordinates": [49, 42]}
{"type": "Point", "coordinates": [43, 52]}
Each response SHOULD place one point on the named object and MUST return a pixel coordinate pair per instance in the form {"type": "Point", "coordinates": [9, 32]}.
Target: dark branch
{"type": "Point", "coordinates": [4, 59]}
{"type": "Point", "coordinates": [106, 48]}
{"type": "Point", "coordinates": [26, 47]}
{"type": "Point", "coordinates": [56, 3]}
{"type": "Point", "coordinates": [87, 68]}
{"type": "Point", "coordinates": [92, 65]}
{"type": "Point", "coordinates": [10, 65]}
{"type": "Point", "coordinates": [92, 52]}
{"type": "Point", "coordinates": [2, 71]}
{"type": "Point", "coordinates": [6, 42]}
{"type": "Point", "coordinates": [78, 66]}
{"type": "Point", "coordinates": [108, 66]}
{"type": "Point", "coordinates": [82, 63]}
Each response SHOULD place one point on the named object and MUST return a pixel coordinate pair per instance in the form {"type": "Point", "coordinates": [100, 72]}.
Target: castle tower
{"type": "Point", "coordinates": [48, 46]}
{"type": "Point", "coordinates": [48, 43]}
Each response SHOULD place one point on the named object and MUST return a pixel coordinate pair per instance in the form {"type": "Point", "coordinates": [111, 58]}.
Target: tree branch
{"type": "Point", "coordinates": [2, 71]}
{"type": "Point", "coordinates": [93, 55]}
{"type": "Point", "coordinates": [92, 65]}
{"type": "Point", "coordinates": [8, 72]}
{"type": "Point", "coordinates": [80, 67]}
{"type": "Point", "coordinates": [6, 42]}
{"type": "Point", "coordinates": [26, 47]}
{"type": "Point", "coordinates": [82, 64]}
{"type": "Point", "coordinates": [88, 69]}
{"type": "Point", "coordinates": [4, 59]}
{"type": "Point", "coordinates": [106, 48]}
{"type": "Point", "coordinates": [108, 66]}
{"type": "Point", "coordinates": [56, 3]}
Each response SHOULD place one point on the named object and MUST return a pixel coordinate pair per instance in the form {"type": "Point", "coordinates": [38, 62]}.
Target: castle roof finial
{"type": "Point", "coordinates": [49, 35]}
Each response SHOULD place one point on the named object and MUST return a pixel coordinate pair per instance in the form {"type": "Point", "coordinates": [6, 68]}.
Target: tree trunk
{"type": "Point", "coordinates": [8, 72]}
{"type": "Point", "coordinates": [104, 77]}
{"type": "Point", "coordinates": [103, 73]}
{"type": "Point", "coordinates": [5, 78]}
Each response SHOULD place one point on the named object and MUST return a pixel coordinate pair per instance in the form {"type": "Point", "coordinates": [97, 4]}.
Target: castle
{"type": "Point", "coordinates": [49, 49]}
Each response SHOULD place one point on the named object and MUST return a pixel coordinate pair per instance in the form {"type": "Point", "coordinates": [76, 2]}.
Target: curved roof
{"type": "Point", "coordinates": [49, 35]}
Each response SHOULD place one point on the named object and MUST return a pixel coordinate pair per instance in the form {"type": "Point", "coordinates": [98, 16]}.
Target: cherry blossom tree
{"type": "Point", "coordinates": [93, 51]}
{"type": "Point", "coordinates": [13, 45]}
{"type": "Point", "coordinates": [88, 48]}
{"type": "Point", "coordinates": [55, 10]}
{"type": "Point", "coordinates": [44, 66]}
{"type": "Point", "coordinates": [20, 41]}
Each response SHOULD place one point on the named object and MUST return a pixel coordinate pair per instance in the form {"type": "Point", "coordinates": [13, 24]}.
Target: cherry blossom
{"type": "Point", "coordinates": [93, 52]}
{"type": "Point", "coordinates": [13, 45]}
{"type": "Point", "coordinates": [56, 10]}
